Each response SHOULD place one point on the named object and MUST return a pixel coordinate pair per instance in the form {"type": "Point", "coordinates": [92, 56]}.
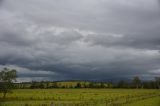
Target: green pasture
{"type": "Point", "coordinates": [82, 97]}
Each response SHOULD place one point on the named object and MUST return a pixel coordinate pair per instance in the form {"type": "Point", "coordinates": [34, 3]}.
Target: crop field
{"type": "Point", "coordinates": [82, 97]}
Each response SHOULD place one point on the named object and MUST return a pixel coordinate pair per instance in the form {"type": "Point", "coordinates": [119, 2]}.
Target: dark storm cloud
{"type": "Point", "coordinates": [87, 39]}
{"type": "Point", "coordinates": [150, 40]}
{"type": "Point", "coordinates": [158, 1]}
{"type": "Point", "coordinates": [1, 1]}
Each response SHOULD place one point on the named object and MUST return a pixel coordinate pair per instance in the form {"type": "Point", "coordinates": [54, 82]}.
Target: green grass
{"type": "Point", "coordinates": [82, 97]}
{"type": "Point", "coordinates": [147, 102]}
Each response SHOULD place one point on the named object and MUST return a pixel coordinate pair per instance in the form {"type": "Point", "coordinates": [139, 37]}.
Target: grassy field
{"type": "Point", "coordinates": [82, 97]}
{"type": "Point", "coordinates": [147, 102]}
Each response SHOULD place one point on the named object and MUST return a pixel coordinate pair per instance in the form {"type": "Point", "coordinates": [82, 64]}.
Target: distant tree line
{"type": "Point", "coordinates": [8, 78]}
{"type": "Point", "coordinates": [50, 85]}
{"type": "Point", "coordinates": [136, 82]}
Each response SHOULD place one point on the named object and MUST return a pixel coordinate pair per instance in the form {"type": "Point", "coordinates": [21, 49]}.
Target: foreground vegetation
{"type": "Point", "coordinates": [82, 97]}
{"type": "Point", "coordinates": [77, 93]}
{"type": "Point", "coordinates": [146, 102]}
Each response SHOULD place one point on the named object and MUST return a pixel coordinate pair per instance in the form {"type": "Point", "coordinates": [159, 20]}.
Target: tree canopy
{"type": "Point", "coordinates": [136, 81]}
{"type": "Point", "coordinates": [7, 76]}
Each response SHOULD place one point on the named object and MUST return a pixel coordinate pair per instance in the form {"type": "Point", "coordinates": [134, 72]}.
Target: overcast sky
{"type": "Point", "coordinates": [80, 39]}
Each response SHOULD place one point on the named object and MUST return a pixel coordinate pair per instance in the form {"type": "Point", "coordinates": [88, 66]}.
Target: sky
{"type": "Point", "coordinates": [80, 39]}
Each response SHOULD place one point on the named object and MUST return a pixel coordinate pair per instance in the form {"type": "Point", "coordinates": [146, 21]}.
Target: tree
{"type": "Point", "coordinates": [47, 84]}
{"type": "Point", "coordinates": [122, 84]}
{"type": "Point", "coordinates": [157, 80]}
{"type": "Point", "coordinates": [102, 85]}
{"type": "Point", "coordinates": [149, 84]}
{"type": "Point", "coordinates": [91, 85]}
{"type": "Point", "coordinates": [78, 85]}
{"type": "Point", "coordinates": [55, 85]}
{"type": "Point", "coordinates": [34, 85]}
{"type": "Point", "coordinates": [7, 77]}
{"type": "Point", "coordinates": [41, 85]}
{"type": "Point", "coordinates": [136, 81]}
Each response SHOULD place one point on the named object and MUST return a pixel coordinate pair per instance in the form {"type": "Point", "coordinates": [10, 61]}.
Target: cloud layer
{"type": "Point", "coordinates": [87, 39]}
